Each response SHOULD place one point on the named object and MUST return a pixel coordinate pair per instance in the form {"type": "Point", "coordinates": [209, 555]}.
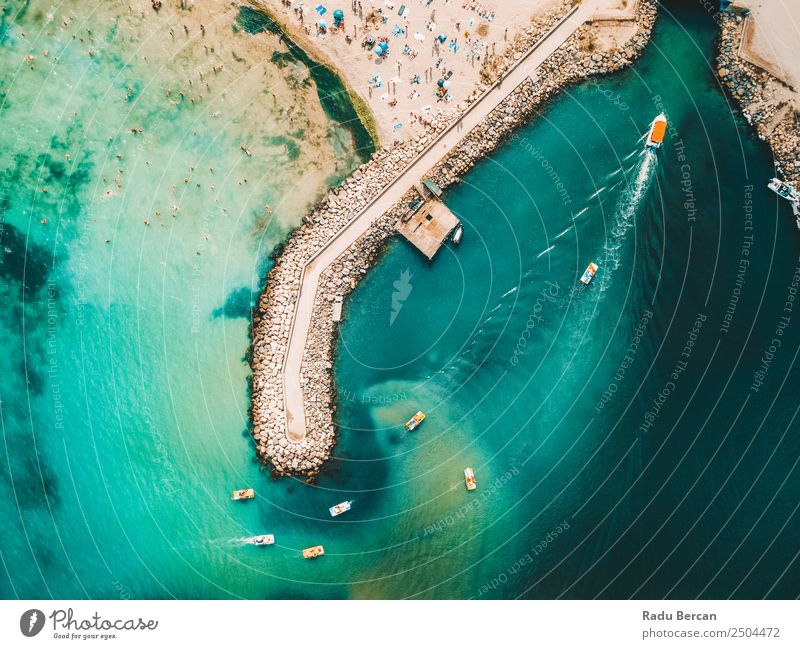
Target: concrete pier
{"type": "Point", "coordinates": [295, 332]}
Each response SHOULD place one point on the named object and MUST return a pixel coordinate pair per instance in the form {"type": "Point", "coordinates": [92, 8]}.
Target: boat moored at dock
{"type": "Point", "coordinates": [341, 508]}
{"type": "Point", "coordinates": [657, 131]}
{"type": "Point", "coordinates": [784, 190]}
{"type": "Point", "coordinates": [589, 273]}
{"type": "Point", "coordinates": [469, 478]}
{"type": "Point", "coordinates": [459, 232]}
{"type": "Point", "coordinates": [416, 420]}
{"type": "Point", "coordinates": [313, 552]}
{"type": "Point", "coordinates": [243, 494]}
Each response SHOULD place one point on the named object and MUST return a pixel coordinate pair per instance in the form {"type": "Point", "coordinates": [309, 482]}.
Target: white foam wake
{"type": "Point", "coordinates": [628, 207]}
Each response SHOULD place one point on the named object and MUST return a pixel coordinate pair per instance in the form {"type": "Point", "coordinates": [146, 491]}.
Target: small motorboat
{"type": "Point", "coordinates": [243, 494]}
{"type": "Point", "coordinates": [341, 508]}
{"type": "Point", "coordinates": [262, 539]}
{"type": "Point", "coordinates": [313, 553]}
{"type": "Point", "coordinates": [784, 190]}
{"type": "Point", "coordinates": [589, 273]}
{"type": "Point", "coordinates": [415, 421]}
{"type": "Point", "coordinates": [458, 234]}
{"type": "Point", "coordinates": [469, 478]}
{"type": "Point", "coordinates": [657, 131]}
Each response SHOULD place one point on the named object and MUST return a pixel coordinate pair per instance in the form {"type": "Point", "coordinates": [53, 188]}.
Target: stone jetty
{"type": "Point", "coordinates": [767, 102]}
{"type": "Point", "coordinates": [575, 60]}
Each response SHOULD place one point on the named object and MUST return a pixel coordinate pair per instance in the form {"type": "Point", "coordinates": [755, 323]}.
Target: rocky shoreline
{"type": "Point", "coordinates": [760, 96]}
{"type": "Point", "coordinates": [574, 61]}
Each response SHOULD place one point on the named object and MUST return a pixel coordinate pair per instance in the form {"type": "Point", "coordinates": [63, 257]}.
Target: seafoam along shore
{"type": "Point", "coordinates": [575, 60]}
{"type": "Point", "coordinates": [766, 101]}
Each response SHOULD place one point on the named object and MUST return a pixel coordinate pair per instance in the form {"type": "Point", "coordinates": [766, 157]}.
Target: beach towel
{"type": "Point", "coordinates": [321, 10]}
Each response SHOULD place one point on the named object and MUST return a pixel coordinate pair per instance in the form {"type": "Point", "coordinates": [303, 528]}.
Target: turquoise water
{"type": "Point", "coordinates": [579, 494]}
{"type": "Point", "coordinates": [124, 394]}
{"type": "Point", "coordinates": [124, 377]}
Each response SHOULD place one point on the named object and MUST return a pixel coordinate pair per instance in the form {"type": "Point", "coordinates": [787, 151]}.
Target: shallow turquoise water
{"type": "Point", "coordinates": [124, 393]}
{"type": "Point", "coordinates": [124, 377]}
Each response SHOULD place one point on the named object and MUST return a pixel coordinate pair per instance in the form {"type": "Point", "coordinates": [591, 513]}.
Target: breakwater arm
{"type": "Point", "coordinates": [293, 331]}
{"type": "Point", "coordinates": [768, 101]}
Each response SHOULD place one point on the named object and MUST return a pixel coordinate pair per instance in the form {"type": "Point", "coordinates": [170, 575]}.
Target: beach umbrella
{"type": "Point", "coordinates": [442, 38]}
{"type": "Point", "coordinates": [446, 84]}
{"type": "Point", "coordinates": [384, 46]}
{"type": "Point", "coordinates": [322, 24]}
{"type": "Point", "coordinates": [378, 51]}
{"type": "Point", "coordinates": [338, 16]}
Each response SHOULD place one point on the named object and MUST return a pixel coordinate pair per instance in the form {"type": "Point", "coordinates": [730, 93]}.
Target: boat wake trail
{"type": "Point", "coordinates": [628, 207]}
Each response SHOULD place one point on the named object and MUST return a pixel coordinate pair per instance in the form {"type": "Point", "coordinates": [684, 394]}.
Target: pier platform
{"type": "Point", "coordinates": [428, 227]}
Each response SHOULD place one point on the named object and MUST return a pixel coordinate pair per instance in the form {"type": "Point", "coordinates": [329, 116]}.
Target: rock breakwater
{"type": "Point", "coordinates": [272, 322]}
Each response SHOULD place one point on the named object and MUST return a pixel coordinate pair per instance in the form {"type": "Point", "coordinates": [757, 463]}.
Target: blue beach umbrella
{"type": "Point", "coordinates": [338, 16]}
{"type": "Point", "coordinates": [384, 46]}
{"type": "Point", "coordinates": [378, 51]}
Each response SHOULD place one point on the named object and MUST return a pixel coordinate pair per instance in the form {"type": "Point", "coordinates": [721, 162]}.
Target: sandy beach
{"type": "Point", "coordinates": [411, 60]}
{"type": "Point", "coordinates": [774, 36]}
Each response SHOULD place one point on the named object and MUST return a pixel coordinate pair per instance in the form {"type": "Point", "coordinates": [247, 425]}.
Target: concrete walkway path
{"type": "Point", "coordinates": [394, 191]}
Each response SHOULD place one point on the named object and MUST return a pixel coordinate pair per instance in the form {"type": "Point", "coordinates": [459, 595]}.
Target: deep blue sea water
{"type": "Point", "coordinates": [623, 442]}
{"type": "Point", "coordinates": [623, 445]}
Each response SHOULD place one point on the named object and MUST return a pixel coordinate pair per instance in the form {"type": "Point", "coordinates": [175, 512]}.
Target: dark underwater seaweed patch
{"type": "Point", "coordinates": [239, 304]}
{"type": "Point", "coordinates": [22, 262]}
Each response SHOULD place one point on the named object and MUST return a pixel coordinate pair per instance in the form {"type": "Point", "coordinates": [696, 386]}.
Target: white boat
{"type": "Point", "coordinates": [458, 234]}
{"type": "Point", "coordinates": [262, 539]}
{"type": "Point", "coordinates": [469, 478]}
{"type": "Point", "coordinates": [784, 190]}
{"type": "Point", "coordinates": [657, 131]}
{"type": "Point", "coordinates": [243, 494]}
{"type": "Point", "coordinates": [341, 508]}
{"type": "Point", "coordinates": [589, 273]}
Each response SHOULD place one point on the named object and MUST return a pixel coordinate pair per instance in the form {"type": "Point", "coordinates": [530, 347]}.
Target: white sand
{"type": "Point", "coordinates": [473, 28]}
{"type": "Point", "coordinates": [776, 35]}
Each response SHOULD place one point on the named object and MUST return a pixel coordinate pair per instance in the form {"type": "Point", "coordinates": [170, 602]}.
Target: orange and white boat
{"type": "Point", "coordinates": [313, 553]}
{"type": "Point", "coordinates": [243, 494]}
{"type": "Point", "coordinates": [415, 421]}
{"type": "Point", "coordinates": [658, 130]}
{"type": "Point", "coordinates": [469, 478]}
{"type": "Point", "coordinates": [589, 273]}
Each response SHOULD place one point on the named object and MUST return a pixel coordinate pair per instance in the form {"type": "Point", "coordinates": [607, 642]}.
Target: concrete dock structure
{"type": "Point", "coordinates": [428, 226]}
